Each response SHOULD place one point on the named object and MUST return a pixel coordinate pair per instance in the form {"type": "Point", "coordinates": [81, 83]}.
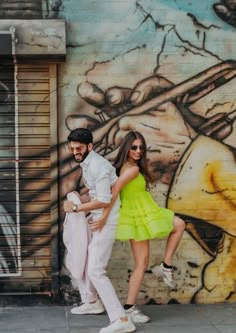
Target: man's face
{"type": "Point", "coordinates": [80, 150]}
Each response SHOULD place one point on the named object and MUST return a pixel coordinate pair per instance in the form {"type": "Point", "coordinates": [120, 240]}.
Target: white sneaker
{"type": "Point", "coordinates": [89, 308]}
{"type": "Point", "coordinates": [136, 315]}
{"type": "Point", "coordinates": [166, 274]}
{"type": "Point", "coordinates": [119, 326]}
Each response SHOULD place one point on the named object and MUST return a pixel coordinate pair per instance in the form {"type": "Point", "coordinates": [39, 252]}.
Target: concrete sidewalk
{"type": "Point", "coordinates": [177, 318]}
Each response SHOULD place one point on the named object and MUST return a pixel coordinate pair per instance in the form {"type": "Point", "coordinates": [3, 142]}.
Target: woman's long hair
{"type": "Point", "coordinates": [123, 153]}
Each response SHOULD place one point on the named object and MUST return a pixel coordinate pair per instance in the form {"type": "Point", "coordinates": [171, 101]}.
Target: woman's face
{"type": "Point", "coordinates": [136, 151]}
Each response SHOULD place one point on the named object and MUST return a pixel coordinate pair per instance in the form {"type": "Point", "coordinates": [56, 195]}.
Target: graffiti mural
{"type": "Point", "coordinates": [180, 142]}
{"type": "Point", "coordinates": [169, 80]}
{"type": "Point", "coordinates": [164, 68]}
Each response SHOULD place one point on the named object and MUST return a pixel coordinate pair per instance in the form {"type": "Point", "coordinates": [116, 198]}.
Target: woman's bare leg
{"type": "Point", "coordinates": [165, 270]}
{"type": "Point", "coordinates": [174, 239]}
{"type": "Point", "coordinates": [140, 251]}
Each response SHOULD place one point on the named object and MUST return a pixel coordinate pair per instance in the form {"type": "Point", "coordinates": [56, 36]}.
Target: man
{"type": "Point", "coordinates": [99, 176]}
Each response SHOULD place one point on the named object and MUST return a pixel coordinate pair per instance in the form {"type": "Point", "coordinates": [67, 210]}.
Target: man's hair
{"type": "Point", "coordinates": [82, 135]}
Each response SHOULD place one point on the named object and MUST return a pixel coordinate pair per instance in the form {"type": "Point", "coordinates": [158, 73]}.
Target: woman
{"type": "Point", "coordinates": [141, 219]}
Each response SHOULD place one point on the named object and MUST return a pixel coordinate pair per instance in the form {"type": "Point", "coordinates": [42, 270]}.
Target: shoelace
{"type": "Point", "coordinates": [169, 273]}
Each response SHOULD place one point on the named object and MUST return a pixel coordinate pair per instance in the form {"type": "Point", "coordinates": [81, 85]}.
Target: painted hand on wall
{"type": "Point", "coordinates": [158, 109]}
{"type": "Point", "coordinates": [163, 126]}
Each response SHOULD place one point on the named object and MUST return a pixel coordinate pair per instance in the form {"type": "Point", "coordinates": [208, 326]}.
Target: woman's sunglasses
{"type": "Point", "coordinates": [134, 147]}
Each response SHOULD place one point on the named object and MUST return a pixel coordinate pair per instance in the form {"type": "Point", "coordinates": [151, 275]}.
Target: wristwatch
{"type": "Point", "coordinates": [74, 208]}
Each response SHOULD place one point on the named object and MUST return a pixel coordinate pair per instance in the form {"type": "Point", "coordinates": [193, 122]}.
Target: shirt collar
{"type": "Point", "coordinates": [87, 159]}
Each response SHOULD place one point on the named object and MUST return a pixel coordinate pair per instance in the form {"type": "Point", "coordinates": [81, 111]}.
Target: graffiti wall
{"type": "Point", "coordinates": [168, 70]}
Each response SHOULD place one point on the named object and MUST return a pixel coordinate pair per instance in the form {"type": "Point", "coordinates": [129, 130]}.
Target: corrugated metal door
{"type": "Point", "coordinates": [28, 174]}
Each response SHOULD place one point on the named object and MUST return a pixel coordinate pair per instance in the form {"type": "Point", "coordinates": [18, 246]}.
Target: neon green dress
{"type": "Point", "coordinates": [140, 216]}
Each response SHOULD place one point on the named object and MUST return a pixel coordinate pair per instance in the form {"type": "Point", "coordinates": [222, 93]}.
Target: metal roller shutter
{"type": "Point", "coordinates": [28, 174]}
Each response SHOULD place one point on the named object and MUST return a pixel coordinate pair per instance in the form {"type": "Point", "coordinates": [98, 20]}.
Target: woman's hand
{"type": "Point", "coordinates": [97, 225]}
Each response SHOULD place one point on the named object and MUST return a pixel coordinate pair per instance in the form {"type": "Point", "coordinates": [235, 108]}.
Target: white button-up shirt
{"type": "Point", "coordinates": [99, 175]}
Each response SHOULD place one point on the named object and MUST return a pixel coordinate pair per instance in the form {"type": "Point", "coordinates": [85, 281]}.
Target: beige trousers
{"type": "Point", "coordinates": [87, 258]}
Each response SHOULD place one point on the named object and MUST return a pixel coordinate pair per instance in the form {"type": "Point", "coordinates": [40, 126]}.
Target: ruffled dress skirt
{"type": "Point", "coordinates": [140, 216]}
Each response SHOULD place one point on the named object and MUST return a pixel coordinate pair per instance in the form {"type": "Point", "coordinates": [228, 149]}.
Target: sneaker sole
{"type": "Point", "coordinates": [160, 275]}
{"type": "Point", "coordinates": [168, 283]}
{"type": "Point", "coordinates": [88, 312]}
{"type": "Point", "coordinates": [128, 330]}
{"type": "Point", "coordinates": [140, 322]}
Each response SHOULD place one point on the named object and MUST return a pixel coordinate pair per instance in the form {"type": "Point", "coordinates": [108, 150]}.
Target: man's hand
{"type": "Point", "coordinates": [68, 206]}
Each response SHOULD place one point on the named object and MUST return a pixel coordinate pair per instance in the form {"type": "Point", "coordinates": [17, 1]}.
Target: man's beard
{"type": "Point", "coordinates": [84, 155]}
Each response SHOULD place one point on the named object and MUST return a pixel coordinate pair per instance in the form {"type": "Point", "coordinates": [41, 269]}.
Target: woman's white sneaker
{"type": "Point", "coordinates": [136, 315]}
{"type": "Point", "coordinates": [89, 308]}
{"type": "Point", "coordinates": [119, 326]}
{"type": "Point", "coordinates": [166, 274]}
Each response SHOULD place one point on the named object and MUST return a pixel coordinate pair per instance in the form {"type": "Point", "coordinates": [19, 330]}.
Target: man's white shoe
{"type": "Point", "coordinates": [89, 308]}
{"type": "Point", "coordinates": [136, 315]}
{"type": "Point", "coordinates": [166, 274]}
{"type": "Point", "coordinates": [119, 326]}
